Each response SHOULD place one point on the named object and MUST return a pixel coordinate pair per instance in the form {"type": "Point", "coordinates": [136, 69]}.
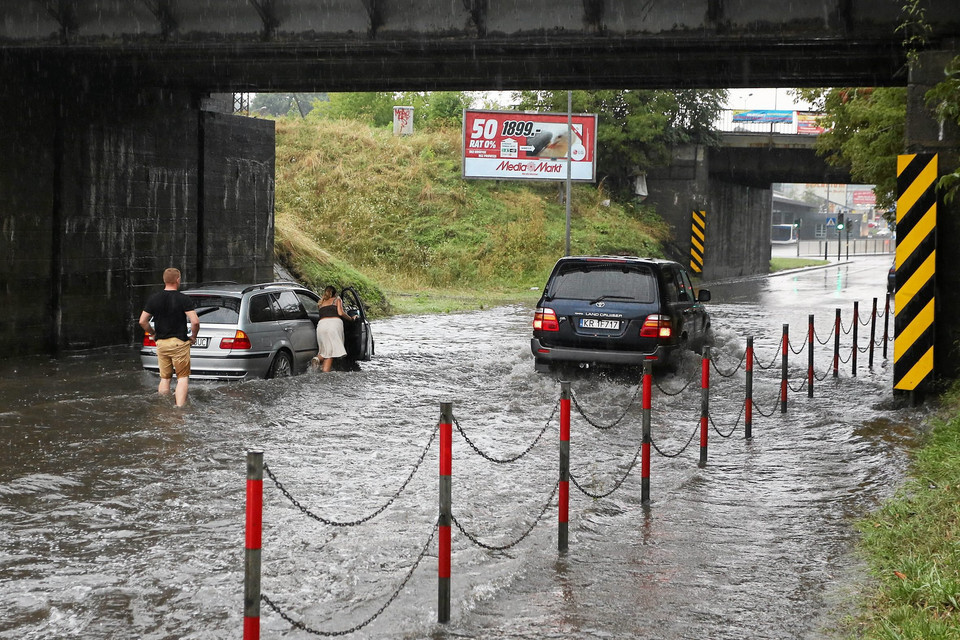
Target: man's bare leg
{"type": "Point", "coordinates": [181, 392]}
{"type": "Point", "coordinates": [164, 387]}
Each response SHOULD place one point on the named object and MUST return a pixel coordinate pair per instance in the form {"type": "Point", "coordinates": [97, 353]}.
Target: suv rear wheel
{"type": "Point", "coordinates": [282, 366]}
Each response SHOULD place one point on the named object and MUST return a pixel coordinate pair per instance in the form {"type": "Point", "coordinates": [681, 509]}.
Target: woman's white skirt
{"type": "Point", "coordinates": [330, 338]}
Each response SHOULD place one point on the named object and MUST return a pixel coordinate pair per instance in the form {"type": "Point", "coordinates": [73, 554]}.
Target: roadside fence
{"type": "Point", "coordinates": [558, 493]}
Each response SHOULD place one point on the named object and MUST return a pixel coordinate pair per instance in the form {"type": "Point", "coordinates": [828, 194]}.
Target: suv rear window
{"type": "Point", "coordinates": [218, 309]}
{"type": "Point", "coordinates": [634, 284]}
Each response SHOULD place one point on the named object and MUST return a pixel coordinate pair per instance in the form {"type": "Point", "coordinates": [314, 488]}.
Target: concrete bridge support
{"type": "Point", "coordinates": [101, 190]}
{"type": "Point", "coordinates": [737, 216]}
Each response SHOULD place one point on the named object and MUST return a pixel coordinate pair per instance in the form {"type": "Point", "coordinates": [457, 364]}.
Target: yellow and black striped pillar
{"type": "Point", "coordinates": [697, 240]}
{"type": "Point", "coordinates": [916, 270]}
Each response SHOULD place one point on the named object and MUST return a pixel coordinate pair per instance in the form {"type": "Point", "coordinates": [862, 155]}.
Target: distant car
{"type": "Point", "coordinates": [617, 310]}
{"type": "Point", "coordinates": [892, 278]}
{"type": "Point", "coordinates": [262, 331]}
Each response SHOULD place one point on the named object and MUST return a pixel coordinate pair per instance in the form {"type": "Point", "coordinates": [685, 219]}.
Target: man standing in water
{"type": "Point", "coordinates": [170, 311]}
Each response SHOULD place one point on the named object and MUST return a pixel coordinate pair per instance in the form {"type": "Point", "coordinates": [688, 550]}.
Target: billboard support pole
{"type": "Point", "coordinates": [569, 161]}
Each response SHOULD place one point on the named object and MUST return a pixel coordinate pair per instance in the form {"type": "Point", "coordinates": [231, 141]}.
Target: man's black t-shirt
{"type": "Point", "coordinates": [169, 311]}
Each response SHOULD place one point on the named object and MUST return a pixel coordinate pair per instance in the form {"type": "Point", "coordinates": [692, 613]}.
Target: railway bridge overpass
{"type": "Point", "coordinates": [118, 162]}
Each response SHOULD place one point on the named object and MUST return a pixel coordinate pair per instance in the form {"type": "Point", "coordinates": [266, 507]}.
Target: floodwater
{"type": "Point", "coordinates": [123, 517]}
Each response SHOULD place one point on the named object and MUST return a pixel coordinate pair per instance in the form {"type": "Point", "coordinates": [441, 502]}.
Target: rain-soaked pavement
{"type": "Point", "coordinates": [123, 517]}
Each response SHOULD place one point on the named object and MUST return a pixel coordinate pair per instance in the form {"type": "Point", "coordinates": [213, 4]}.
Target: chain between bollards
{"type": "Point", "coordinates": [446, 511]}
{"type": "Point", "coordinates": [886, 325]}
{"type": "Point", "coordinates": [253, 543]}
{"type": "Point", "coordinates": [563, 506]}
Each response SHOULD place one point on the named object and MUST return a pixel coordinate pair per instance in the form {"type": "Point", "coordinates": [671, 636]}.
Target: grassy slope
{"type": "Point", "coordinates": [355, 202]}
{"type": "Point", "coordinates": [912, 544]}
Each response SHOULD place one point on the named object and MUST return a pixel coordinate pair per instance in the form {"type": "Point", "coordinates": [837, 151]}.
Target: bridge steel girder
{"type": "Point", "coordinates": [385, 45]}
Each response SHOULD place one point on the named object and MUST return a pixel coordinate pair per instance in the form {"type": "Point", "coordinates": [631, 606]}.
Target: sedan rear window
{"type": "Point", "coordinates": [217, 309]}
{"type": "Point", "coordinates": [609, 281]}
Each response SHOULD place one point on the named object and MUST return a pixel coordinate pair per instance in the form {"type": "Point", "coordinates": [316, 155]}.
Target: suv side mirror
{"type": "Point", "coordinates": [703, 295]}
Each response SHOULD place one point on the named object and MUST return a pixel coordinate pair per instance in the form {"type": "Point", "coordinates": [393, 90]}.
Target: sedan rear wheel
{"type": "Point", "coordinates": [282, 366]}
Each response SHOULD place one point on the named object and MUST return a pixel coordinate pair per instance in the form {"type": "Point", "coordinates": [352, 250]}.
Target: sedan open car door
{"type": "Point", "coordinates": [357, 336]}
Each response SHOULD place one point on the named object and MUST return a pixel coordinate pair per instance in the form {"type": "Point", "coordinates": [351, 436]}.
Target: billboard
{"type": "Point", "coordinates": [762, 116]}
{"type": "Point", "coordinates": [523, 145]}
{"type": "Point", "coordinates": [808, 122]}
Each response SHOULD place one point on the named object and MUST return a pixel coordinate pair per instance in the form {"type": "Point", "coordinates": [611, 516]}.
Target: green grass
{"type": "Point", "coordinates": [397, 212]}
{"type": "Point", "coordinates": [449, 301]}
{"type": "Point", "coordinates": [912, 544]}
{"type": "Point", "coordinates": [783, 264]}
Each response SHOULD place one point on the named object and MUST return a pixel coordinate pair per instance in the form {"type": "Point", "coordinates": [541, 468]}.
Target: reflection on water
{"type": "Point", "coordinates": [123, 516]}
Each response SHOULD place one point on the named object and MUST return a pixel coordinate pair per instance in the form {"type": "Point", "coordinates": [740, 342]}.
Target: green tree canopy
{"type": "Point", "coordinates": [944, 99]}
{"type": "Point", "coordinates": [431, 109]}
{"type": "Point", "coordinates": [284, 104]}
{"type": "Point", "coordinates": [375, 108]}
{"type": "Point", "coordinates": [865, 132]}
{"type": "Point", "coordinates": [636, 129]}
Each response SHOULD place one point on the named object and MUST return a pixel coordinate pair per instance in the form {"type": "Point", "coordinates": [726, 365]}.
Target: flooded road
{"type": "Point", "coordinates": [123, 517]}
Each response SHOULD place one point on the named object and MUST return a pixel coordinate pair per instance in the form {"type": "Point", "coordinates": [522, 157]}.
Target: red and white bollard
{"type": "Point", "coordinates": [563, 506]}
{"type": "Point", "coordinates": [783, 368]}
{"type": "Point", "coordinates": [704, 404]}
{"type": "Point", "coordinates": [645, 443]}
{"type": "Point", "coordinates": [836, 345]}
{"type": "Point", "coordinates": [254, 539]}
{"type": "Point", "coordinates": [446, 511]}
{"type": "Point", "coordinates": [810, 373]}
{"type": "Point", "coordinates": [748, 391]}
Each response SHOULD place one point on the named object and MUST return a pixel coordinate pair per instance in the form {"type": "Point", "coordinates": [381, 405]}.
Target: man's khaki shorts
{"type": "Point", "coordinates": [173, 354]}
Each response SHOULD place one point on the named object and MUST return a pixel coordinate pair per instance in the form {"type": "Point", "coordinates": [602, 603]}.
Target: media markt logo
{"type": "Point", "coordinates": [542, 166]}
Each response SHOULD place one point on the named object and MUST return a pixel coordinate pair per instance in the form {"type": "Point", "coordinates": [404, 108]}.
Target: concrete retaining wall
{"type": "Point", "coordinates": [104, 194]}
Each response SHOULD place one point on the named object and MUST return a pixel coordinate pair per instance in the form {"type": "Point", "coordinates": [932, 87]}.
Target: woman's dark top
{"type": "Point", "coordinates": [328, 311]}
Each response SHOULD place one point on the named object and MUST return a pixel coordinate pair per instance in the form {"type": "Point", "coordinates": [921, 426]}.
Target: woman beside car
{"type": "Point", "coordinates": [330, 328]}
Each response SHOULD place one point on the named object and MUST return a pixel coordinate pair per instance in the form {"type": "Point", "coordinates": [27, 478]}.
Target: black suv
{"type": "Point", "coordinates": [617, 310]}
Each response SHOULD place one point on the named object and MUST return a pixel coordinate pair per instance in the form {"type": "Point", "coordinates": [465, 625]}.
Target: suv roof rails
{"type": "Point", "coordinates": [264, 285]}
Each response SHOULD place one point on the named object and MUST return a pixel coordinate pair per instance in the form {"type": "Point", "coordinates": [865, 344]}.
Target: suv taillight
{"type": "Point", "coordinates": [656, 326]}
{"type": "Point", "coordinates": [239, 341]}
{"type": "Point", "coordinates": [148, 341]}
{"type": "Point", "coordinates": [545, 320]}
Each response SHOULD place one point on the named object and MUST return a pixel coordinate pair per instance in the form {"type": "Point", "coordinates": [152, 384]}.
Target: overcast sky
{"type": "Point", "coordinates": [764, 99]}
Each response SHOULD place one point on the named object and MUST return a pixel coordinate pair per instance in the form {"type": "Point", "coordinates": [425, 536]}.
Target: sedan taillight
{"type": "Point", "coordinates": [239, 341]}
{"type": "Point", "coordinates": [656, 326]}
{"type": "Point", "coordinates": [545, 320]}
{"type": "Point", "coordinates": [148, 340]}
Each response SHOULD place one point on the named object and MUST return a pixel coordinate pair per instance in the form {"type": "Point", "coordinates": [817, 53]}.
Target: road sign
{"type": "Point", "coordinates": [831, 222]}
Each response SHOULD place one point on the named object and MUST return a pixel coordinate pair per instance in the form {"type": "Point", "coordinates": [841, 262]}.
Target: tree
{"type": "Point", "coordinates": [375, 108]}
{"type": "Point", "coordinates": [636, 129]}
{"type": "Point", "coordinates": [944, 99]}
{"type": "Point", "coordinates": [430, 108]}
{"type": "Point", "coordinates": [865, 132]}
{"type": "Point", "coordinates": [283, 104]}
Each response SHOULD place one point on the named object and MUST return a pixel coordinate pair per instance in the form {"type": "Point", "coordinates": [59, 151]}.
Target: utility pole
{"type": "Point", "coordinates": [569, 161]}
